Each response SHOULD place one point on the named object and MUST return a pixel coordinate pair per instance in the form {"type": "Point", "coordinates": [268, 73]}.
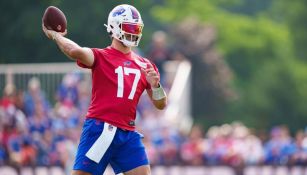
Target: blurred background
{"type": "Point", "coordinates": [235, 72]}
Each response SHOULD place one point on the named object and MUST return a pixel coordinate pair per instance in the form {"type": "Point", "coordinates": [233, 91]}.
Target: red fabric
{"type": "Point", "coordinates": [5, 102]}
{"type": "Point", "coordinates": [105, 105]}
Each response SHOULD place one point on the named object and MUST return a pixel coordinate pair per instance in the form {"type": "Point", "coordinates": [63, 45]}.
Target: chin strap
{"type": "Point", "coordinates": [158, 93]}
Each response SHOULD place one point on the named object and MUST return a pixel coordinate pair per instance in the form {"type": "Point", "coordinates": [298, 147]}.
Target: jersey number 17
{"type": "Point", "coordinates": [121, 71]}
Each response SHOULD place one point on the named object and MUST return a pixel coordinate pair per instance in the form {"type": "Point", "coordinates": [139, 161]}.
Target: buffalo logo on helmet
{"type": "Point", "coordinates": [118, 11]}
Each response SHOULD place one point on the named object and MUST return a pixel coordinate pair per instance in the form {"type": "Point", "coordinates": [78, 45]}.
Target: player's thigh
{"type": "Point", "coordinates": [78, 172]}
{"type": "Point", "coordinates": [141, 170]}
{"type": "Point", "coordinates": [131, 155]}
{"type": "Point", "coordinates": [94, 134]}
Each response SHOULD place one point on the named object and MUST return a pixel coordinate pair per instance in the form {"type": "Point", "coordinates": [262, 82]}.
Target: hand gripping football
{"type": "Point", "coordinates": [54, 19]}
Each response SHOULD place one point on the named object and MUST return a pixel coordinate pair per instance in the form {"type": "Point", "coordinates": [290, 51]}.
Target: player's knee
{"type": "Point", "coordinates": [142, 170]}
{"type": "Point", "coordinates": [78, 172]}
{"type": "Point", "coordinates": [147, 172]}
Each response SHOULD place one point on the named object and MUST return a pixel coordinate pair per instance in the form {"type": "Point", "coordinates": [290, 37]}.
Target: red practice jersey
{"type": "Point", "coordinates": [118, 84]}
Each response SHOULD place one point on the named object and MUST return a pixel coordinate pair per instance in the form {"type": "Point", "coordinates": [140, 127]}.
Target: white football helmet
{"type": "Point", "coordinates": [125, 24]}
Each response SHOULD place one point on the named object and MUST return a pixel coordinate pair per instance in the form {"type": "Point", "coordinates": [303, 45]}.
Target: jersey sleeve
{"type": "Point", "coordinates": [94, 50]}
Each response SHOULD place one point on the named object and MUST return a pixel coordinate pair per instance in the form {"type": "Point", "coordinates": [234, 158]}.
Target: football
{"type": "Point", "coordinates": [54, 19]}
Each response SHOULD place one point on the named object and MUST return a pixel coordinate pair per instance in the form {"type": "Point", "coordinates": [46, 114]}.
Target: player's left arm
{"type": "Point", "coordinates": [156, 93]}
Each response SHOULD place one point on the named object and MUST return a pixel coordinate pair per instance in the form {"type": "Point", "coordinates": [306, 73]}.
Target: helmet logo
{"type": "Point", "coordinates": [134, 13]}
{"type": "Point", "coordinates": [118, 11]}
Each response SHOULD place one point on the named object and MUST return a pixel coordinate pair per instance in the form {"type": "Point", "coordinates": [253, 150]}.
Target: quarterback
{"type": "Point", "coordinates": [119, 77]}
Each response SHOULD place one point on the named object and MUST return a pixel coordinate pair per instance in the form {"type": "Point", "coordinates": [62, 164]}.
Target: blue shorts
{"type": "Point", "coordinates": [102, 144]}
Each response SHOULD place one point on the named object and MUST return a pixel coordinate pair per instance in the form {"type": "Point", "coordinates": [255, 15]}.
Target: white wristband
{"type": "Point", "coordinates": [158, 93]}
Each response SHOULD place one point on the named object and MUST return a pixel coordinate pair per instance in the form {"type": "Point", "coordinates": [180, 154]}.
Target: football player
{"type": "Point", "coordinates": [119, 77]}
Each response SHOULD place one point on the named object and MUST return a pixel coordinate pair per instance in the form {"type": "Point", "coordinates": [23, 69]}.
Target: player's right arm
{"type": "Point", "coordinates": [70, 48]}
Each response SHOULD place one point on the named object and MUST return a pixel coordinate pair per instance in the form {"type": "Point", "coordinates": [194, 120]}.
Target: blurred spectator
{"type": "Point", "coordinates": [27, 153]}
{"type": "Point", "coordinates": [210, 152]}
{"type": "Point", "coordinates": [3, 156]}
{"type": "Point", "coordinates": [34, 95]}
{"type": "Point", "coordinates": [232, 143]}
{"type": "Point", "coordinates": [39, 122]}
{"type": "Point", "coordinates": [252, 150]}
{"type": "Point", "coordinates": [167, 145]}
{"type": "Point", "coordinates": [67, 91]}
{"type": "Point", "coordinates": [192, 150]}
{"type": "Point", "coordinates": [11, 115]}
{"type": "Point", "coordinates": [223, 146]}
{"type": "Point", "coordinates": [69, 148]}
{"type": "Point", "coordinates": [66, 116]}
{"type": "Point", "coordinates": [279, 147]}
{"type": "Point", "coordinates": [3, 150]}
{"type": "Point", "coordinates": [14, 147]}
{"type": "Point", "coordinates": [84, 96]}
{"type": "Point", "coordinates": [9, 94]}
{"type": "Point", "coordinates": [151, 150]}
{"type": "Point", "coordinates": [300, 155]}
{"type": "Point", "coordinates": [246, 145]}
{"type": "Point", "coordinates": [158, 52]}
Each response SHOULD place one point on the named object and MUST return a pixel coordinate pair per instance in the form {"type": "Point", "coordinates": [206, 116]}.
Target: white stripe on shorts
{"type": "Point", "coordinates": [99, 148]}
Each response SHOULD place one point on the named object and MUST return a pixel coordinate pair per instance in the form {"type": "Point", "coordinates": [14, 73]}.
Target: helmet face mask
{"type": "Point", "coordinates": [132, 33]}
{"type": "Point", "coordinates": [125, 24]}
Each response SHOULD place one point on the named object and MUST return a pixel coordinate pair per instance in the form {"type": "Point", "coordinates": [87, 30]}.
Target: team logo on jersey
{"type": "Point", "coordinates": [118, 11]}
{"type": "Point", "coordinates": [127, 63]}
{"type": "Point", "coordinates": [135, 14]}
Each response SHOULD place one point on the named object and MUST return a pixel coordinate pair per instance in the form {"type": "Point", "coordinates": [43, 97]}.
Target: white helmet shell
{"type": "Point", "coordinates": [125, 19]}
